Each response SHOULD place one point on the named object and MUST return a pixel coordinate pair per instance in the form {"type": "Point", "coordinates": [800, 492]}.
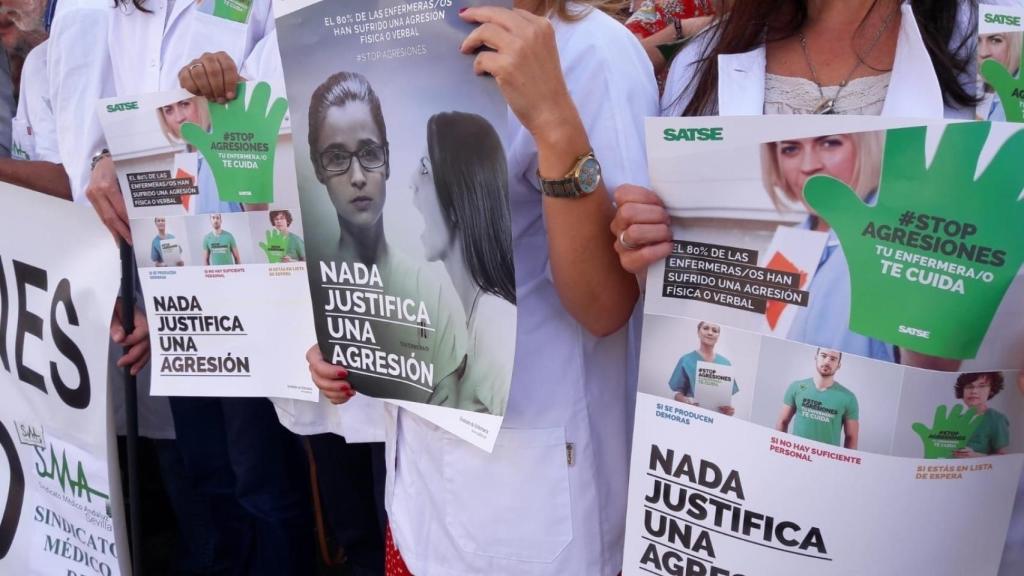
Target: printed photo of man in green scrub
{"type": "Point", "coordinates": [820, 408]}
{"type": "Point", "coordinates": [219, 246]}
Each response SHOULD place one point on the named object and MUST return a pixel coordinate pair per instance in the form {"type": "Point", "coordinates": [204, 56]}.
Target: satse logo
{"type": "Point", "coordinates": [1005, 19]}
{"type": "Point", "coordinates": [692, 134]}
{"type": "Point", "coordinates": [122, 106]}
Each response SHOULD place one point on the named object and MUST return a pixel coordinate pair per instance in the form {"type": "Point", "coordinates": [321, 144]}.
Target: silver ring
{"type": "Point", "coordinates": [625, 244]}
{"type": "Point", "coordinates": [196, 65]}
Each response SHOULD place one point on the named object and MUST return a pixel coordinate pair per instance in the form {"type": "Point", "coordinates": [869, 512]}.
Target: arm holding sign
{"type": "Point", "coordinates": [523, 58]}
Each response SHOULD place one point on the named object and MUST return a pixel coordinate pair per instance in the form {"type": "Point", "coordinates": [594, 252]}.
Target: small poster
{"type": "Point", "coordinates": [855, 286]}
{"type": "Point", "coordinates": [218, 238]}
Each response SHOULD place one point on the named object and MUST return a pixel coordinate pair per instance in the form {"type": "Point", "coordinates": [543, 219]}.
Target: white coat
{"type": "Point", "coordinates": [33, 131]}
{"type": "Point", "coordinates": [149, 49]}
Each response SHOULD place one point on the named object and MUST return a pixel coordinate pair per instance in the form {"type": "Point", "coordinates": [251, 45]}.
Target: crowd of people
{"type": "Point", "coordinates": [579, 77]}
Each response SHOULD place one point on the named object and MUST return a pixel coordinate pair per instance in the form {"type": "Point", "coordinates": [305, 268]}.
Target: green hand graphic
{"type": "Point", "coordinates": [275, 247]}
{"type": "Point", "coordinates": [949, 432]}
{"type": "Point", "coordinates": [931, 261]}
{"type": "Point", "coordinates": [1009, 89]}
{"type": "Point", "coordinates": [234, 10]}
{"type": "Point", "coordinates": [240, 147]}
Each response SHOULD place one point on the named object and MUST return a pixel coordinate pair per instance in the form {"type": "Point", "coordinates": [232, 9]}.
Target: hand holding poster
{"type": "Point", "coordinates": [403, 186]}
{"type": "Point", "coordinates": [60, 506]}
{"type": "Point", "coordinates": [835, 264]}
{"type": "Point", "coordinates": [218, 240]}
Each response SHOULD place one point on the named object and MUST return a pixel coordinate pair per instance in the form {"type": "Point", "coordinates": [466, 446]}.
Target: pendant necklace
{"type": "Point", "coordinates": [828, 105]}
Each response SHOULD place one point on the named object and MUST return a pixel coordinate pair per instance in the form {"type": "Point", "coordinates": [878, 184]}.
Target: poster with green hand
{"type": "Point", "coordinates": [936, 236]}
{"type": "Point", "coordinates": [1000, 47]}
{"type": "Point", "coordinates": [240, 146]}
{"type": "Point", "coordinates": [213, 208]}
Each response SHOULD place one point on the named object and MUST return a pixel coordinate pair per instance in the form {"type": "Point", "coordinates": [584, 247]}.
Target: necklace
{"type": "Point", "coordinates": [828, 105]}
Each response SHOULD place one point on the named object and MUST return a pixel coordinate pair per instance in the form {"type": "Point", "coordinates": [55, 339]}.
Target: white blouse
{"type": "Point", "coordinates": [794, 95]}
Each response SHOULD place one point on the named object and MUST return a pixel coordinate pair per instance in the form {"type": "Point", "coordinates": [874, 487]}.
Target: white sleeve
{"type": "Point", "coordinates": [34, 110]}
{"type": "Point", "coordinates": [611, 80]}
{"type": "Point", "coordinates": [264, 63]}
{"type": "Point", "coordinates": [79, 74]}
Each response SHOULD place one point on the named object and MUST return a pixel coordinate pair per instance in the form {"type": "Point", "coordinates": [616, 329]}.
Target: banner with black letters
{"type": "Point", "coordinates": [60, 508]}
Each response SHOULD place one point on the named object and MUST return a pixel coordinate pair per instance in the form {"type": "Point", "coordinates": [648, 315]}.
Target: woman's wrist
{"type": "Point", "coordinates": [561, 139]}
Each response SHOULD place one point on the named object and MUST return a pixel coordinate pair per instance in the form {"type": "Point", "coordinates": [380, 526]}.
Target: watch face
{"type": "Point", "coordinates": [590, 175]}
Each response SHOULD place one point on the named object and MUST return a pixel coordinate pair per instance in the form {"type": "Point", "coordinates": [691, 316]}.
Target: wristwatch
{"type": "Point", "coordinates": [104, 153]}
{"type": "Point", "coordinates": [583, 179]}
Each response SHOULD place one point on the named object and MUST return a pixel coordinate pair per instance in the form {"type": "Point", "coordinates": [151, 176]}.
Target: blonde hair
{"type": "Point", "coordinates": [1013, 45]}
{"type": "Point", "coordinates": [204, 119]}
{"type": "Point", "coordinates": [866, 173]}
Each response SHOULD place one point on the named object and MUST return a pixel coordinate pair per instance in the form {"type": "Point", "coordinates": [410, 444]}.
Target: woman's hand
{"type": "Point", "coordinates": [330, 379]}
{"type": "Point", "coordinates": [641, 228]}
{"type": "Point", "coordinates": [518, 49]}
{"type": "Point", "coordinates": [680, 397]}
{"type": "Point", "coordinates": [104, 193]}
{"type": "Point", "coordinates": [135, 345]}
{"type": "Point", "coordinates": [213, 76]}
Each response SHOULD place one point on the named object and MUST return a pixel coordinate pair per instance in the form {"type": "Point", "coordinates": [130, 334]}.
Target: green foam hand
{"type": "Point", "coordinates": [275, 247]}
{"type": "Point", "coordinates": [240, 146]}
{"type": "Point", "coordinates": [950, 431]}
{"type": "Point", "coordinates": [931, 261]}
{"type": "Point", "coordinates": [1009, 89]}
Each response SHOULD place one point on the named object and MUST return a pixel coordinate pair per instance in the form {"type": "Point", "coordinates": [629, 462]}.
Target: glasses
{"type": "Point", "coordinates": [339, 160]}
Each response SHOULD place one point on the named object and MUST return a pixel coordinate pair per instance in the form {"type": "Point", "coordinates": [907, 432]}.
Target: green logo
{"type": "Point", "coordinates": [931, 261]}
{"type": "Point", "coordinates": [122, 107]}
{"type": "Point", "coordinates": [241, 144]}
{"type": "Point", "coordinates": [50, 466]}
{"type": "Point", "coordinates": [1002, 19]}
{"type": "Point", "coordinates": [692, 134]}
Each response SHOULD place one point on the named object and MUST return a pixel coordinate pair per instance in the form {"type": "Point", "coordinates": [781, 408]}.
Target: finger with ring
{"type": "Point", "coordinates": [625, 243]}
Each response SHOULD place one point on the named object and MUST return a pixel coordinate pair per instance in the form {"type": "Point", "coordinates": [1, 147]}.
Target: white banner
{"type": "Point", "coordinates": [59, 483]}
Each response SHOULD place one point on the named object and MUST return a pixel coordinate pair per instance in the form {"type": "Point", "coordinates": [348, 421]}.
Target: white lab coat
{"type": "Point", "coordinates": [914, 90]}
{"type": "Point", "coordinates": [149, 49]}
{"type": "Point", "coordinates": [33, 131]}
{"type": "Point", "coordinates": [525, 510]}
{"type": "Point", "coordinates": [79, 75]}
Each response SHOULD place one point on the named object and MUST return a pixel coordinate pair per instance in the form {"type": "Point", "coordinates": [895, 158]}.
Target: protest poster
{"type": "Point", "coordinates": [403, 188]}
{"type": "Point", "coordinates": [860, 280]}
{"type": "Point", "coordinates": [218, 239]}
{"type": "Point", "coordinates": [60, 504]}
{"type": "Point", "coordinates": [1000, 46]}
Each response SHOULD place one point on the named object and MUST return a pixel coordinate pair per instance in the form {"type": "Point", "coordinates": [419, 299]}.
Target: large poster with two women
{"type": "Point", "coordinates": [832, 353]}
{"type": "Point", "coordinates": [403, 188]}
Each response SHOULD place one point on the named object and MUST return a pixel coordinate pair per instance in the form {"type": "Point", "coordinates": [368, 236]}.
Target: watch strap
{"type": "Point", "coordinates": [566, 186]}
